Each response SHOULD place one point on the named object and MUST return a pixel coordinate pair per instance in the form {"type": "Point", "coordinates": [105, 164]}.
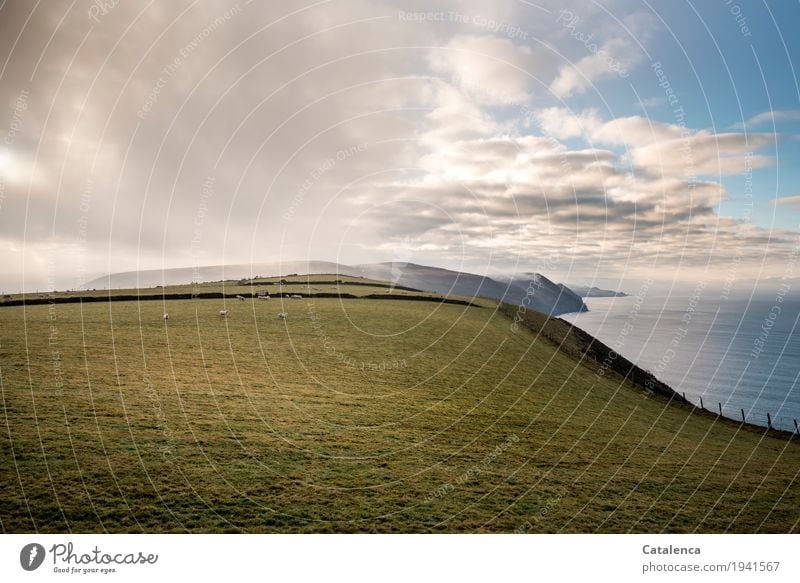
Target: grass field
{"type": "Point", "coordinates": [309, 284]}
{"type": "Point", "coordinates": [353, 416]}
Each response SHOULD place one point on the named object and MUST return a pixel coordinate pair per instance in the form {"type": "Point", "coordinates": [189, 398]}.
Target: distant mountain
{"type": "Point", "coordinates": [179, 275]}
{"type": "Point", "coordinates": [542, 294]}
{"type": "Point", "coordinates": [534, 291]}
{"type": "Point", "coordinates": [595, 292]}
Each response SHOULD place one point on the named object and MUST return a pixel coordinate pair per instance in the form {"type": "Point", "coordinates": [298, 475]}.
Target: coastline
{"type": "Point", "coordinates": [588, 349]}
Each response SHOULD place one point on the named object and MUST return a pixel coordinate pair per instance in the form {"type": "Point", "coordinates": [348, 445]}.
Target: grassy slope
{"type": "Point", "coordinates": [353, 415]}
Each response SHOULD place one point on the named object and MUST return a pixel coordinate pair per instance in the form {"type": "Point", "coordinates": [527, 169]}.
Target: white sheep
{"type": "Point", "coordinates": [223, 313]}
{"type": "Point", "coordinates": [165, 317]}
{"type": "Point", "coordinates": [240, 298]}
{"type": "Point", "coordinates": [282, 315]}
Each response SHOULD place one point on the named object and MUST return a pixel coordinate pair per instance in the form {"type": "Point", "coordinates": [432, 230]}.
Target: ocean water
{"type": "Point", "coordinates": [741, 353]}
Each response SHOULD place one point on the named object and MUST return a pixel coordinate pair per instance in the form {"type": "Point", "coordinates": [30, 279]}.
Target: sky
{"type": "Point", "coordinates": [595, 142]}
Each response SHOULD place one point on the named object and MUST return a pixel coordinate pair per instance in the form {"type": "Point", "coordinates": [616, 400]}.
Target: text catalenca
{"type": "Point", "coordinates": [670, 550]}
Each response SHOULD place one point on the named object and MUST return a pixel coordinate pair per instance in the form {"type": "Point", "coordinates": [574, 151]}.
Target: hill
{"type": "Point", "coordinates": [538, 292]}
{"type": "Point", "coordinates": [207, 273]}
{"type": "Point", "coordinates": [535, 291]}
{"type": "Point", "coordinates": [586, 291]}
{"type": "Point", "coordinates": [357, 415]}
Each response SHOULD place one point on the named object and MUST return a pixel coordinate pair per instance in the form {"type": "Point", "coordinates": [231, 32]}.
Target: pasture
{"type": "Point", "coordinates": [306, 285]}
{"type": "Point", "coordinates": [352, 416]}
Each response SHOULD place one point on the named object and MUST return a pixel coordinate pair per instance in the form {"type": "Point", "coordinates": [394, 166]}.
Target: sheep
{"type": "Point", "coordinates": [296, 297]}
{"type": "Point", "coordinates": [263, 297]}
{"type": "Point", "coordinates": [282, 315]}
{"type": "Point", "coordinates": [223, 313]}
{"type": "Point", "coordinates": [165, 317]}
{"type": "Point", "coordinates": [240, 298]}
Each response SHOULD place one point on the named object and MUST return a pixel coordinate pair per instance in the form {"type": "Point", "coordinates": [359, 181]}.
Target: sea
{"type": "Point", "coordinates": [740, 354]}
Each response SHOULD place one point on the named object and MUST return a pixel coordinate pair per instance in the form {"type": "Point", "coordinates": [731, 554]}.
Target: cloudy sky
{"type": "Point", "coordinates": [591, 141]}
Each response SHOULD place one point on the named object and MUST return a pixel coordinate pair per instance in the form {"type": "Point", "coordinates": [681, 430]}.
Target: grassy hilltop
{"type": "Point", "coordinates": [354, 415]}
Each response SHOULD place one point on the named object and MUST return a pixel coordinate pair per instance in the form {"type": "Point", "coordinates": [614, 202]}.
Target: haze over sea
{"type": "Point", "coordinates": [743, 353]}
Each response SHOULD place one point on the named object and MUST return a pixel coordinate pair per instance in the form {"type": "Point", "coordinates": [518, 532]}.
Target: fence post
{"type": "Point", "coordinates": [743, 419]}
{"type": "Point", "coordinates": [797, 429]}
{"type": "Point", "coordinates": [701, 403]}
{"type": "Point", "coordinates": [769, 421]}
{"type": "Point", "coordinates": [720, 409]}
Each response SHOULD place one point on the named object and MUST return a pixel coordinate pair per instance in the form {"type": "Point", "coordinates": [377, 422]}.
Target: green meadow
{"type": "Point", "coordinates": [353, 415]}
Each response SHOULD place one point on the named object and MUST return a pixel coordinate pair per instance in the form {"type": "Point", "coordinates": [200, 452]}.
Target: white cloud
{"type": "Point", "coordinates": [636, 131]}
{"type": "Point", "coordinates": [494, 71]}
{"type": "Point", "coordinates": [662, 148]}
{"type": "Point", "coordinates": [562, 123]}
{"type": "Point", "coordinates": [769, 118]}
{"type": "Point", "coordinates": [614, 58]}
{"type": "Point", "coordinates": [652, 102]}
{"type": "Point", "coordinates": [659, 148]}
{"type": "Point", "coordinates": [454, 117]}
{"type": "Point", "coordinates": [703, 153]}
{"type": "Point", "coordinates": [632, 131]}
{"type": "Point", "coordinates": [790, 200]}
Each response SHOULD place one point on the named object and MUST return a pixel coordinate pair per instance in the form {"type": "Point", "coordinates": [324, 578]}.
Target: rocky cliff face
{"type": "Point", "coordinates": [543, 295]}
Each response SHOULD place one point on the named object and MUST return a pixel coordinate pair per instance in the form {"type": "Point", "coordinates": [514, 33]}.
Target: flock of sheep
{"type": "Point", "coordinates": [224, 313]}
